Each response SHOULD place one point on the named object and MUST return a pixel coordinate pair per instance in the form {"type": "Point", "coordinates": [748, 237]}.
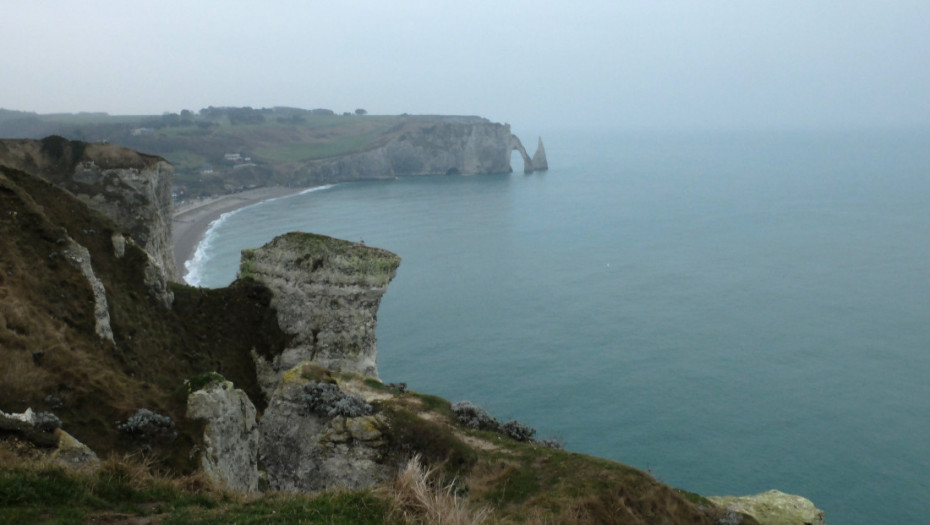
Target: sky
{"type": "Point", "coordinates": [627, 64]}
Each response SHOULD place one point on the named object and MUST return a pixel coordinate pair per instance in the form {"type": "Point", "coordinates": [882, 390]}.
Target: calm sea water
{"type": "Point", "coordinates": [732, 312]}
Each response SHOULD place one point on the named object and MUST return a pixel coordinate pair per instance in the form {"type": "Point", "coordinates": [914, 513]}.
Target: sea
{"type": "Point", "coordinates": [732, 312]}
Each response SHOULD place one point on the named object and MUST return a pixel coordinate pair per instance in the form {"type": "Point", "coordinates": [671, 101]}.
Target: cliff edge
{"type": "Point", "coordinates": [132, 189]}
{"type": "Point", "coordinates": [427, 145]}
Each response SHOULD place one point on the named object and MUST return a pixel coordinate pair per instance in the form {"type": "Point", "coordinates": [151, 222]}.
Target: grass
{"type": "Point", "coordinates": [306, 151]}
{"type": "Point", "coordinates": [203, 380]}
{"type": "Point", "coordinates": [408, 434]}
{"type": "Point", "coordinates": [417, 493]}
{"type": "Point", "coordinates": [348, 508]}
{"type": "Point", "coordinates": [346, 262]}
{"type": "Point", "coordinates": [44, 493]}
{"type": "Point", "coordinates": [122, 490]}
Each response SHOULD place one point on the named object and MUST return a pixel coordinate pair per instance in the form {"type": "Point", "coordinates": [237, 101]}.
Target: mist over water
{"type": "Point", "coordinates": [733, 312]}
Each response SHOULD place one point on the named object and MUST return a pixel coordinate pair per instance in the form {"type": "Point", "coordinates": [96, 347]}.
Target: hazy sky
{"type": "Point", "coordinates": [630, 64]}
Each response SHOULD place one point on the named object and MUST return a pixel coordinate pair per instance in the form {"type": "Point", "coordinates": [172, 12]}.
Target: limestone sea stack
{"type": "Point", "coordinates": [540, 162]}
{"type": "Point", "coordinates": [326, 293]}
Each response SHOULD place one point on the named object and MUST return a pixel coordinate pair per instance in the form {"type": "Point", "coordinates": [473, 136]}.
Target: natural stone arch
{"type": "Point", "coordinates": [537, 162]}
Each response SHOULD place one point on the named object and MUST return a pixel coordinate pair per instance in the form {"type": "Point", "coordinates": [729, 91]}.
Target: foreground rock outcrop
{"type": "Point", "coordinates": [326, 293]}
{"type": "Point", "coordinates": [230, 439]}
{"type": "Point", "coordinates": [44, 429]}
{"type": "Point", "coordinates": [774, 508]}
{"type": "Point", "coordinates": [316, 437]}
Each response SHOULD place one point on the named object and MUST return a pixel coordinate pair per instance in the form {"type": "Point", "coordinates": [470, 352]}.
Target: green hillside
{"type": "Point", "coordinates": [270, 142]}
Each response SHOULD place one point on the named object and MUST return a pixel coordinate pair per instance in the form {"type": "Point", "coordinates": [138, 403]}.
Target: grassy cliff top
{"type": "Point", "coordinates": [344, 261]}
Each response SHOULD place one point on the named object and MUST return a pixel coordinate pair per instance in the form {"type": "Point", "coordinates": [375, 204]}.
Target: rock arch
{"type": "Point", "coordinates": [537, 162]}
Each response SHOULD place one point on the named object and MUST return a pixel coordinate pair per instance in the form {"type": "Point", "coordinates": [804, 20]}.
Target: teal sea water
{"type": "Point", "coordinates": [731, 312]}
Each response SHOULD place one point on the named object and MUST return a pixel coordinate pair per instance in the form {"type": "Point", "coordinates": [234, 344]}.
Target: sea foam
{"type": "Point", "coordinates": [194, 267]}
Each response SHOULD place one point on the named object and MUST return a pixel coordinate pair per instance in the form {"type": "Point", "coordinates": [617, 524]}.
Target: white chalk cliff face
{"type": "Point", "coordinates": [130, 188]}
{"type": "Point", "coordinates": [429, 145]}
{"type": "Point", "coordinates": [326, 293]}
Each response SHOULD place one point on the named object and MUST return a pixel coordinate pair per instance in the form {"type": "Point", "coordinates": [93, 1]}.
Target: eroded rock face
{"type": "Point", "coordinates": [537, 162]}
{"type": "Point", "coordinates": [540, 162]}
{"type": "Point", "coordinates": [428, 145]}
{"type": "Point", "coordinates": [326, 293]}
{"type": "Point", "coordinates": [230, 455]}
{"type": "Point", "coordinates": [308, 450]}
{"type": "Point", "coordinates": [130, 188]}
{"type": "Point", "coordinates": [79, 257]}
{"type": "Point", "coordinates": [774, 508]}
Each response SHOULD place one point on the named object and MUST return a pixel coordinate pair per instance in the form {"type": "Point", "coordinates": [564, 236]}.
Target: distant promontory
{"type": "Point", "coordinates": [219, 150]}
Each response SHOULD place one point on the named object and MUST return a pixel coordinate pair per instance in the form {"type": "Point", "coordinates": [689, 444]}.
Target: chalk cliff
{"type": "Point", "coordinates": [130, 188]}
{"type": "Point", "coordinates": [300, 323]}
{"type": "Point", "coordinates": [426, 146]}
{"type": "Point", "coordinates": [326, 293]}
{"type": "Point", "coordinates": [537, 162]}
{"type": "Point", "coordinates": [540, 162]}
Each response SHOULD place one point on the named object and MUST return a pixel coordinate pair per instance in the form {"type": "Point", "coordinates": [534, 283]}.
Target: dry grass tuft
{"type": "Point", "coordinates": [21, 378]}
{"type": "Point", "coordinates": [419, 498]}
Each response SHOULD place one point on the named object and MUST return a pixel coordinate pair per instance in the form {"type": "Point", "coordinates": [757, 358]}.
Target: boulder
{"type": "Point", "coordinates": [230, 439]}
{"type": "Point", "coordinates": [773, 508]}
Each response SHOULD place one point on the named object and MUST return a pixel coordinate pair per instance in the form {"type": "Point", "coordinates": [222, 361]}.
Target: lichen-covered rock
{"type": "Point", "coordinates": [774, 508]}
{"type": "Point", "coordinates": [326, 293]}
{"type": "Point", "coordinates": [44, 429]}
{"type": "Point", "coordinates": [308, 450]}
{"type": "Point", "coordinates": [35, 427]}
{"type": "Point", "coordinates": [72, 453]}
{"type": "Point", "coordinates": [326, 399]}
{"type": "Point", "coordinates": [230, 440]}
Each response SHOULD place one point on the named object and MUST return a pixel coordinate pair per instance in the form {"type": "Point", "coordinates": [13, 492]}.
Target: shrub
{"type": "Point", "coordinates": [46, 422]}
{"type": "Point", "coordinates": [420, 497]}
{"type": "Point", "coordinates": [149, 426]}
{"type": "Point", "coordinates": [408, 434]}
{"type": "Point", "coordinates": [517, 431]}
{"type": "Point", "coordinates": [201, 381]}
{"type": "Point", "coordinates": [326, 399]}
{"type": "Point", "coordinates": [473, 416]}
{"type": "Point", "coordinates": [552, 443]}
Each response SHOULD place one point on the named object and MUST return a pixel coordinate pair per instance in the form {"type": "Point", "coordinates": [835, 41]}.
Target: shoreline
{"type": "Point", "coordinates": [191, 220]}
